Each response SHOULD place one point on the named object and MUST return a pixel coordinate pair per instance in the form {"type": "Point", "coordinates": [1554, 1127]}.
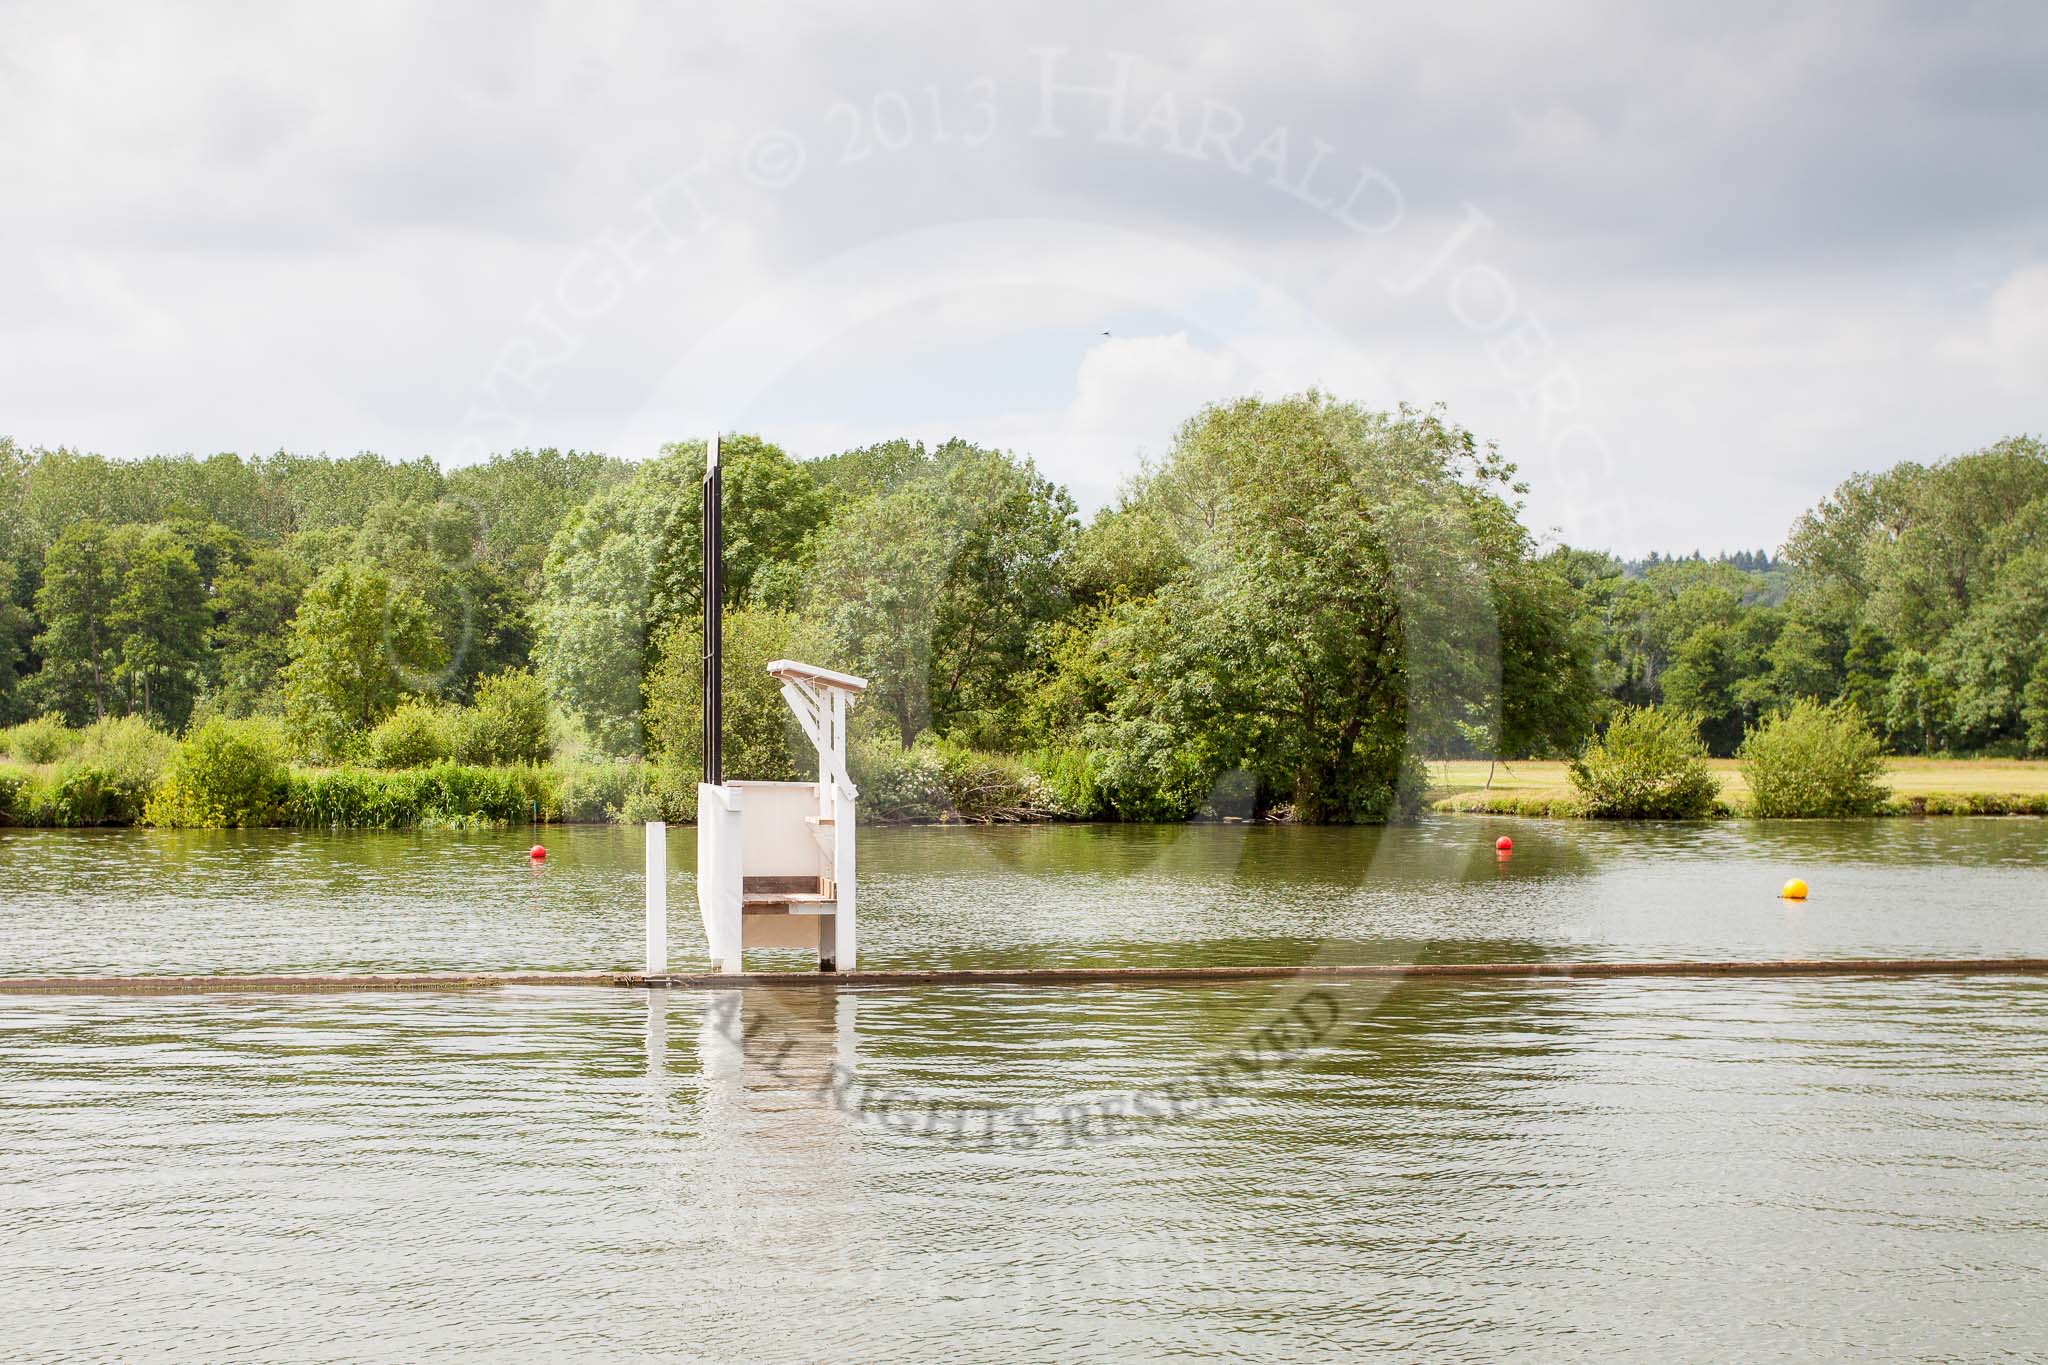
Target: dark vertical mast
{"type": "Point", "coordinates": [714, 634]}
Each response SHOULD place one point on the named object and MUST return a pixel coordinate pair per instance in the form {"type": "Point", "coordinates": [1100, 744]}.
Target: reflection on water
{"type": "Point", "coordinates": [177, 901]}
{"type": "Point", "coordinates": [1676, 1169]}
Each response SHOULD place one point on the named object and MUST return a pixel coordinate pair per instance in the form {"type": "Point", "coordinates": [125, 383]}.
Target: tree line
{"type": "Point", "coordinates": [1918, 594]}
{"type": "Point", "coordinates": [1295, 604]}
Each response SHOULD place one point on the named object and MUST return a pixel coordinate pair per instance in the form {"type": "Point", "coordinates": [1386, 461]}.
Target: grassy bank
{"type": "Point", "coordinates": [1920, 786]}
{"type": "Point", "coordinates": [121, 772]}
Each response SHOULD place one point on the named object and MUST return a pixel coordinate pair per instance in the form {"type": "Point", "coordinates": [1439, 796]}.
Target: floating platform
{"type": "Point", "coordinates": [1024, 976]}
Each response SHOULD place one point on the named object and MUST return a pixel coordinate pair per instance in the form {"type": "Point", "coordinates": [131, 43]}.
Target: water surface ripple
{"type": "Point", "coordinates": [1677, 1169]}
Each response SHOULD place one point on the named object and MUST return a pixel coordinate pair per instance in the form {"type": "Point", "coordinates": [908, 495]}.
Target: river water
{"type": "Point", "coordinates": [1679, 1169]}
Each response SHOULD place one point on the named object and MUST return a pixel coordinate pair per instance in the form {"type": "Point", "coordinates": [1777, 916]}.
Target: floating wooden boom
{"type": "Point", "coordinates": [1418, 972]}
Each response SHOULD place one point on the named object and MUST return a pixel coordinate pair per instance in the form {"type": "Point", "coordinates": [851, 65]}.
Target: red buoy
{"type": "Point", "coordinates": [537, 853]}
{"type": "Point", "coordinates": [1504, 843]}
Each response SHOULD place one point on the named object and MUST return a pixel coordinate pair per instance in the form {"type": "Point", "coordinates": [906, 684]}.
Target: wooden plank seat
{"type": "Point", "coordinates": [786, 896]}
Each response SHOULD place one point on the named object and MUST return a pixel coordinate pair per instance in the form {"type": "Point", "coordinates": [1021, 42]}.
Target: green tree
{"type": "Point", "coordinates": [760, 739]}
{"type": "Point", "coordinates": [435, 551]}
{"type": "Point", "coordinates": [592, 618]}
{"type": "Point", "coordinates": [1612, 614]}
{"type": "Point", "coordinates": [521, 499]}
{"type": "Point", "coordinates": [159, 617]}
{"type": "Point", "coordinates": [1720, 674]}
{"type": "Point", "coordinates": [1335, 613]}
{"type": "Point", "coordinates": [1927, 574]}
{"type": "Point", "coordinates": [1961, 526]}
{"type": "Point", "coordinates": [1009, 529]}
{"type": "Point", "coordinates": [16, 629]}
{"type": "Point", "coordinates": [1805, 660]}
{"type": "Point", "coordinates": [1986, 659]}
{"type": "Point", "coordinates": [874, 471]}
{"type": "Point", "coordinates": [628, 564]}
{"type": "Point", "coordinates": [359, 646]}
{"type": "Point", "coordinates": [1918, 704]}
{"type": "Point", "coordinates": [80, 581]}
{"type": "Point", "coordinates": [17, 534]}
{"type": "Point", "coordinates": [881, 574]}
{"type": "Point", "coordinates": [1833, 548]}
{"type": "Point", "coordinates": [507, 723]}
{"type": "Point", "coordinates": [773, 509]}
{"type": "Point", "coordinates": [1867, 670]}
{"type": "Point", "coordinates": [1128, 551]}
{"type": "Point", "coordinates": [253, 606]}
{"type": "Point", "coordinates": [314, 493]}
{"type": "Point", "coordinates": [2034, 708]}
{"type": "Point", "coordinates": [214, 546]}
{"type": "Point", "coordinates": [66, 486]}
{"type": "Point", "coordinates": [1549, 688]}
{"type": "Point", "coordinates": [938, 586]}
{"type": "Point", "coordinates": [21, 562]}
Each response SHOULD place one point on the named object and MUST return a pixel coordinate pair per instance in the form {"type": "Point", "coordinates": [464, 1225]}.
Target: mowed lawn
{"type": "Point", "coordinates": [1909, 777]}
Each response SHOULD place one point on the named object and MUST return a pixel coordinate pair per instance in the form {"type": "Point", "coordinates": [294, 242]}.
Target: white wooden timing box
{"type": "Point", "coordinates": [775, 859]}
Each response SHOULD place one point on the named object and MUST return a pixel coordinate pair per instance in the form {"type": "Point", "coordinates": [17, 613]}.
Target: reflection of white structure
{"type": "Point", "coordinates": [758, 1108]}
{"type": "Point", "coordinates": [783, 1043]}
{"type": "Point", "coordinates": [775, 859]}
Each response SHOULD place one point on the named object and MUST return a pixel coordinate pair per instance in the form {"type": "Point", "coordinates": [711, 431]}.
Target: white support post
{"type": "Point", "coordinates": [721, 879]}
{"type": "Point", "coordinates": [657, 898]}
{"type": "Point", "coordinates": [819, 699]}
{"type": "Point", "coordinates": [835, 782]}
{"type": "Point", "coordinates": [845, 938]}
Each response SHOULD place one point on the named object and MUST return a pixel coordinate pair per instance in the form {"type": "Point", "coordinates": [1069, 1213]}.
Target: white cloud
{"type": "Point", "coordinates": [1140, 386]}
{"type": "Point", "coordinates": [2017, 326]}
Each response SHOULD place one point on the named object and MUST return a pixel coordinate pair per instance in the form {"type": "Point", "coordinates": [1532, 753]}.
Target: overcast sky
{"type": "Point", "coordinates": [1689, 269]}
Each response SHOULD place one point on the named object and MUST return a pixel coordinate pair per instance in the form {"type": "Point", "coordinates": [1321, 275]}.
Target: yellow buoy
{"type": "Point", "coordinates": [1795, 890]}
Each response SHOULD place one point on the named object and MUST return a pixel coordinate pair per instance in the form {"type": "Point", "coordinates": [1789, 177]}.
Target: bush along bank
{"type": "Point", "coordinates": [1807, 761]}
{"type": "Point", "coordinates": [234, 774]}
{"type": "Point", "coordinates": [1812, 760]}
{"type": "Point", "coordinates": [100, 775]}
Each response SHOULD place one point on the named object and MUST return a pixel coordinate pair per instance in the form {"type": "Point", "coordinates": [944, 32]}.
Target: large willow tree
{"type": "Point", "coordinates": [1323, 608]}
